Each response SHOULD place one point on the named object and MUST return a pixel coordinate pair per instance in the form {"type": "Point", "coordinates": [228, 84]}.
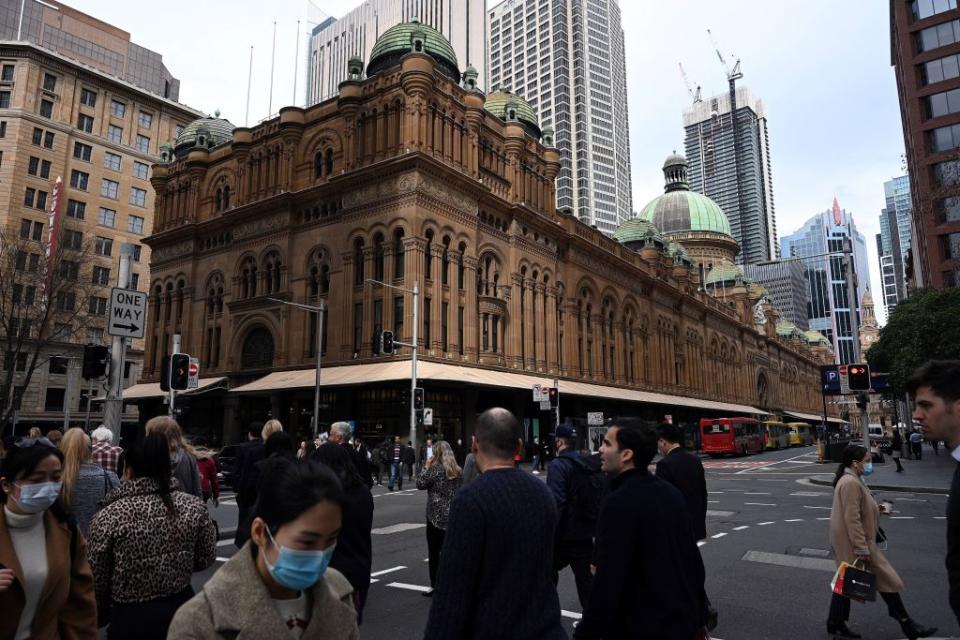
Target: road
{"type": "Point", "coordinates": [766, 555]}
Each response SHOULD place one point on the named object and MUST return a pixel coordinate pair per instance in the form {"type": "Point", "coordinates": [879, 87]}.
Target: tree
{"type": "Point", "coordinates": [44, 302]}
{"type": "Point", "coordinates": [925, 326]}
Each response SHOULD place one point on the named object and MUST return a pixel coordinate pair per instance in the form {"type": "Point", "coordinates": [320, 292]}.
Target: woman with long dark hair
{"type": "Point", "coordinates": [145, 544]}
{"type": "Point", "coordinates": [854, 521]}
{"type": "Point", "coordinates": [441, 477]}
{"type": "Point", "coordinates": [46, 587]}
{"type": "Point", "coordinates": [280, 584]}
{"type": "Point", "coordinates": [354, 555]}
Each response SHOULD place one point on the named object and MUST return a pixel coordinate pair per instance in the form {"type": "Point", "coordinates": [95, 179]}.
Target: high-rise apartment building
{"type": "Point", "coordinates": [80, 102]}
{"type": "Point", "coordinates": [786, 285]}
{"type": "Point", "coordinates": [829, 308]}
{"type": "Point", "coordinates": [894, 241]}
{"type": "Point", "coordinates": [925, 54]}
{"type": "Point", "coordinates": [566, 58]}
{"type": "Point", "coordinates": [334, 41]}
{"type": "Point", "coordinates": [733, 168]}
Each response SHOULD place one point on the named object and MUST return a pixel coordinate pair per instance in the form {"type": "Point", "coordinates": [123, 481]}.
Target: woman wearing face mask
{"type": "Point", "coordinates": [854, 520]}
{"type": "Point", "coordinates": [183, 458]}
{"type": "Point", "coordinates": [145, 544]}
{"type": "Point", "coordinates": [279, 584]}
{"type": "Point", "coordinates": [46, 587]}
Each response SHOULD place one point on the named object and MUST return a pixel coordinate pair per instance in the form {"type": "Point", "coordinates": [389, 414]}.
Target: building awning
{"type": "Point", "coordinates": [148, 390]}
{"type": "Point", "coordinates": [813, 418]}
{"type": "Point", "coordinates": [355, 374]}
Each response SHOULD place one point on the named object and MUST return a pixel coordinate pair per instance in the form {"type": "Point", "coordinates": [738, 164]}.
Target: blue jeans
{"type": "Point", "coordinates": [396, 475]}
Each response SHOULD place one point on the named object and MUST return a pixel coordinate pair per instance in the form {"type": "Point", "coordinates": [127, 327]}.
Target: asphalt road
{"type": "Point", "coordinates": [767, 555]}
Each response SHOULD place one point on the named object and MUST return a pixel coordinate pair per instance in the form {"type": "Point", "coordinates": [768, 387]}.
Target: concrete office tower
{"type": "Point", "coordinates": [747, 201]}
{"type": "Point", "coordinates": [894, 240]}
{"type": "Point", "coordinates": [334, 41]}
{"type": "Point", "coordinates": [829, 309]}
{"type": "Point", "coordinates": [566, 58]}
{"type": "Point", "coordinates": [786, 284]}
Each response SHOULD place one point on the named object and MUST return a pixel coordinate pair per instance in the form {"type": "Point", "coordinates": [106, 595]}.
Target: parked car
{"type": "Point", "coordinates": [226, 458]}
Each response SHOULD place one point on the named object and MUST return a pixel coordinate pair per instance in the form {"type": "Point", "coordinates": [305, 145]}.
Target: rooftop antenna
{"type": "Point", "coordinates": [695, 94]}
{"type": "Point", "coordinates": [246, 120]}
{"type": "Point", "coordinates": [296, 62]}
{"type": "Point", "coordinates": [273, 52]}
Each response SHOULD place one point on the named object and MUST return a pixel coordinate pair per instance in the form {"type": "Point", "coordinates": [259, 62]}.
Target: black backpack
{"type": "Point", "coordinates": [585, 491]}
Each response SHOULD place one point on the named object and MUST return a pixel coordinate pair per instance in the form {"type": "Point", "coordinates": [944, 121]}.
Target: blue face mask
{"type": "Point", "coordinates": [868, 468]}
{"type": "Point", "coordinates": [38, 496]}
{"type": "Point", "coordinates": [297, 569]}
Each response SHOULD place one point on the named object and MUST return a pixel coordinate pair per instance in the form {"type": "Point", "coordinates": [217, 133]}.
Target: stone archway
{"type": "Point", "coordinates": [258, 350]}
{"type": "Point", "coordinates": [763, 390]}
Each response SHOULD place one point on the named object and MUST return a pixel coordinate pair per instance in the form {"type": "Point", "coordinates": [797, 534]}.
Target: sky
{"type": "Point", "coordinates": [822, 68]}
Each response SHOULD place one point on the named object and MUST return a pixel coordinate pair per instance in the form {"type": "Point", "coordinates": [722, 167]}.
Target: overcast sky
{"type": "Point", "coordinates": [822, 67]}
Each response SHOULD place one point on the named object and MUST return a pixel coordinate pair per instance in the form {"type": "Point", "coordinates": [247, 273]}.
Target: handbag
{"type": "Point", "coordinates": [852, 582]}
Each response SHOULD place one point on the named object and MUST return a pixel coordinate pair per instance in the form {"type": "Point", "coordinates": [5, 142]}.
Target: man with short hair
{"type": "Point", "coordinates": [246, 475]}
{"type": "Point", "coordinates": [649, 578]}
{"type": "Point", "coordinates": [936, 390]}
{"type": "Point", "coordinates": [103, 452]}
{"type": "Point", "coordinates": [340, 433]}
{"type": "Point", "coordinates": [495, 580]}
{"type": "Point", "coordinates": [395, 458]}
{"type": "Point", "coordinates": [916, 444]}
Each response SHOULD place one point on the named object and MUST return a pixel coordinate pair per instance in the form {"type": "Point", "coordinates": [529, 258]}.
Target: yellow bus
{"type": "Point", "coordinates": [800, 434]}
{"type": "Point", "coordinates": [776, 435]}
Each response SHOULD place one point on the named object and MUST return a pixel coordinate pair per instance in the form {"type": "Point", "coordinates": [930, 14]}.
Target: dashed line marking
{"type": "Point", "coordinates": [718, 535]}
{"type": "Point", "coordinates": [763, 524]}
{"type": "Point", "coordinates": [700, 543]}
{"type": "Point", "coordinates": [741, 528]}
{"type": "Point", "coordinates": [761, 504]}
{"type": "Point", "coordinates": [409, 587]}
{"type": "Point", "coordinates": [901, 517]}
{"type": "Point", "coordinates": [756, 493]}
{"type": "Point", "coordinates": [385, 571]}
{"type": "Point", "coordinates": [806, 506]}
{"type": "Point", "coordinates": [219, 559]}
{"type": "Point", "coordinates": [573, 615]}
{"type": "Point", "coordinates": [794, 520]}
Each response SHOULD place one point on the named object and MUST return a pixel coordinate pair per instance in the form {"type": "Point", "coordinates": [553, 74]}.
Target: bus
{"type": "Point", "coordinates": [737, 436]}
{"type": "Point", "coordinates": [800, 434]}
{"type": "Point", "coordinates": [775, 435]}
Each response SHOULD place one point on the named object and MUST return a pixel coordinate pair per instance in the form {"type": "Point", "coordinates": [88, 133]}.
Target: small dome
{"type": "Point", "coordinates": [674, 159]}
{"type": "Point", "coordinates": [724, 274]}
{"type": "Point", "coordinates": [787, 329]}
{"type": "Point", "coordinates": [205, 133]}
{"type": "Point", "coordinates": [408, 37]}
{"type": "Point", "coordinates": [679, 254]}
{"type": "Point", "coordinates": [680, 209]}
{"type": "Point", "coordinates": [637, 230]}
{"type": "Point", "coordinates": [816, 338]}
{"type": "Point", "coordinates": [509, 106]}
{"type": "Point", "coordinates": [755, 290]}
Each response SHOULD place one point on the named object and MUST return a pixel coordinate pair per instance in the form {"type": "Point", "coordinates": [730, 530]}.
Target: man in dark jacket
{"type": "Point", "coordinates": [649, 579]}
{"type": "Point", "coordinates": [574, 538]}
{"type": "Point", "coordinates": [409, 459]}
{"type": "Point", "coordinates": [246, 474]}
{"type": "Point", "coordinates": [495, 574]}
{"type": "Point", "coordinates": [936, 390]}
{"type": "Point", "coordinates": [340, 433]}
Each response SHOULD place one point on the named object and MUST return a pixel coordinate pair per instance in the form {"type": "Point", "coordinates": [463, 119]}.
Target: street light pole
{"type": "Point", "coordinates": [319, 309]}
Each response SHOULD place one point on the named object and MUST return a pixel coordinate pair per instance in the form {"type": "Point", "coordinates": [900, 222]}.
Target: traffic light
{"type": "Point", "coordinates": [179, 371]}
{"type": "Point", "coordinates": [418, 398]}
{"type": "Point", "coordinates": [386, 342]}
{"type": "Point", "coordinates": [554, 394]}
{"type": "Point", "coordinates": [375, 343]}
{"type": "Point", "coordinates": [95, 358]}
{"type": "Point", "coordinates": [858, 376]}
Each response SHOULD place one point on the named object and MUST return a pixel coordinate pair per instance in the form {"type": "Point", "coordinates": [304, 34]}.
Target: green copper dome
{"type": "Point", "coordinates": [680, 209]}
{"type": "Point", "coordinates": [816, 338]}
{"type": "Point", "coordinates": [637, 230]}
{"type": "Point", "coordinates": [408, 37]}
{"type": "Point", "coordinates": [724, 273]}
{"type": "Point", "coordinates": [509, 106]}
{"type": "Point", "coordinates": [204, 133]}
{"type": "Point", "coordinates": [787, 329]}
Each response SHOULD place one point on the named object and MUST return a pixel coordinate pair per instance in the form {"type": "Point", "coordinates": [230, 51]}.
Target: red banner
{"type": "Point", "coordinates": [53, 231]}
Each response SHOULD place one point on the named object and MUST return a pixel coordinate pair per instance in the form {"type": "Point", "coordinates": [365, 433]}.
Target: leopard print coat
{"type": "Point", "coordinates": [139, 552]}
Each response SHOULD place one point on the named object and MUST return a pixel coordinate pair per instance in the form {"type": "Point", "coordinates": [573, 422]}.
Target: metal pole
{"type": "Point", "coordinates": [86, 421]}
{"type": "Point", "coordinates": [273, 53]}
{"type": "Point", "coordinates": [173, 392]}
{"type": "Point", "coordinates": [246, 118]}
{"type": "Point", "coordinates": [113, 406]}
{"type": "Point", "coordinates": [66, 396]}
{"type": "Point", "coordinates": [296, 65]}
{"type": "Point", "coordinates": [316, 392]}
{"type": "Point", "coordinates": [23, 5]}
{"type": "Point", "coordinates": [413, 366]}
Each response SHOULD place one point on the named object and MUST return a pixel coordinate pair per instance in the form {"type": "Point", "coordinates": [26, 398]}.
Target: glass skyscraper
{"type": "Point", "coordinates": [895, 240]}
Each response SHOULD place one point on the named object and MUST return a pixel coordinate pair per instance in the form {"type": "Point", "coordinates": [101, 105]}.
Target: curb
{"type": "Point", "coordinates": [886, 487]}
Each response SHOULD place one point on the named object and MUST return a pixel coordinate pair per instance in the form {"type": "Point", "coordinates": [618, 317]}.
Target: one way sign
{"type": "Point", "coordinates": [128, 313]}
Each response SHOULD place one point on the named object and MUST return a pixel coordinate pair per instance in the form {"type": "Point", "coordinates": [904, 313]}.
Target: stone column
{"type": "Point", "coordinates": [436, 258]}
{"type": "Point", "coordinates": [413, 272]}
{"type": "Point", "coordinates": [388, 294]}
{"type": "Point", "coordinates": [367, 332]}
{"type": "Point", "coordinates": [470, 347]}
{"type": "Point", "coordinates": [620, 367]}
{"type": "Point", "coordinates": [553, 330]}
{"type": "Point", "coordinates": [514, 354]}
{"type": "Point", "coordinates": [344, 294]}
{"type": "Point", "coordinates": [529, 321]}
{"type": "Point", "coordinates": [598, 345]}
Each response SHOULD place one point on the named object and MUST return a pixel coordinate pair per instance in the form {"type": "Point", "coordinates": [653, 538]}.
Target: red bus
{"type": "Point", "coordinates": [738, 436]}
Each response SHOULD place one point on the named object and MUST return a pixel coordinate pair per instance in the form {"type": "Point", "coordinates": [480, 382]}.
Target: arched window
{"type": "Point", "coordinates": [398, 264]}
{"type": "Point", "coordinates": [218, 200]}
{"type": "Point", "coordinates": [318, 165]}
{"type": "Point", "coordinates": [328, 162]}
{"type": "Point", "coordinates": [445, 262]}
{"type": "Point", "coordinates": [271, 268]}
{"type": "Point", "coordinates": [427, 258]}
{"type": "Point", "coordinates": [378, 257]}
{"type": "Point", "coordinates": [462, 249]}
{"type": "Point", "coordinates": [358, 277]}
{"type": "Point", "coordinates": [157, 297]}
{"type": "Point", "coordinates": [257, 351]}
{"type": "Point", "coordinates": [181, 285]}
{"type": "Point", "coordinates": [248, 279]}
{"type": "Point", "coordinates": [226, 197]}
{"type": "Point", "coordinates": [168, 301]}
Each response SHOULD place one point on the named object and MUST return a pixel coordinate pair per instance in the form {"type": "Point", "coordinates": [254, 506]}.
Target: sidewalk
{"type": "Point", "coordinates": [930, 475]}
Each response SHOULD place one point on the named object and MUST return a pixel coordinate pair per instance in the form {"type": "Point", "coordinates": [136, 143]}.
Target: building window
{"type": "Point", "coordinates": [66, 301]}
{"type": "Point", "coordinates": [135, 224]}
{"type": "Point", "coordinates": [444, 312]}
{"type": "Point", "coordinates": [109, 189]}
{"type": "Point", "coordinates": [460, 329]}
{"type": "Point", "coordinates": [107, 217]}
{"type": "Point", "coordinates": [41, 201]}
{"type": "Point", "coordinates": [76, 209]}
{"type": "Point", "coordinates": [33, 166]}
{"type": "Point", "coordinates": [946, 174]}
{"type": "Point", "coordinates": [6, 75]}
{"type": "Point", "coordinates": [5, 100]}
{"type": "Point", "coordinates": [69, 270]}
{"type": "Point", "coordinates": [82, 151]}
{"type": "Point", "coordinates": [25, 225]}
{"type": "Point", "coordinates": [46, 108]}
{"type": "Point", "coordinates": [49, 82]}
{"type": "Point", "coordinates": [38, 229]}
{"type": "Point", "coordinates": [112, 161]}
{"type": "Point", "coordinates": [143, 143]}
{"type": "Point", "coordinates": [3, 129]}
{"type": "Point", "coordinates": [73, 239]}
{"type": "Point", "coordinates": [138, 197]}
{"type": "Point", "coordinates": [179, 130]}
{"type": "Point", "coordinates": [937, 36]}
{"type": "Point", "coordinates": [427, 305]}
{"type": "Point", "coordinates": [57, 366]}
{"type": "Point", "coordinates": [943, 104]}
{"type": "Point", "coordinates": [101, 276]}
{"type": "Point", "coordinates": [103, 246]}
{"type": "Point", "coordinates": [145, 119]}
{"type": "Point", "coordinates": [398, 317]}
{"type": "Point", "coordinates": [951, 246]}
{"type": "Point", "coordinates": [55, 397]}
{"type": "Point", "coordinates": [37, 136]}
{"type": "Point", "coordinates": [44, 168]}
{"type": "Point", "coordinates": [141, 170]}
{"type": "Point", "coordinates": [79, 179]}
{"type": "Point", "coordinates": [134, 280]}
{"type": "Point", "coordinates": [29, 196]}
{"type": "Point", "coordinates": [115, 134]}
{"type": "Point", "coordinates": [925, 8]}
{"type": "Point", "coordinates": [88, 97]}
{"type": "Point", "coordinates": [48, 140]}
{"type": "Point", "coordinates": [136, 252]}
{"type": "Point", "coordinates": [117, 108]}
{"type": "Point", "coordinates": [85, 123]}
{"type": "Point", "coordinates": [940, 69]}
{"type": "Point", "coordinates": [357, 327]}
{"type": "Point", "coordinates": [98, 306]}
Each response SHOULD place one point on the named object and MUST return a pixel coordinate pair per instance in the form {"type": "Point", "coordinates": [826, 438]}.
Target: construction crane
{"type": "Point", "coordinates": [695, 94]}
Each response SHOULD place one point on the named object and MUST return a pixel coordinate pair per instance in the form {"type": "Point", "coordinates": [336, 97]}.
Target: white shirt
{"type": "Point", "coordinates": [429, 452]}
{"type": "Point", "coordinates": [28, 535]}
{"type": "Point", "coordinates": [295, 613]}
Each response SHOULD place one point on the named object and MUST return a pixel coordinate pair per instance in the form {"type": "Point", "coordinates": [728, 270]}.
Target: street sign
{"type": "Point", "coordinates": [128, 313]}
{"type": "Point", "coordinates": [428, 417]}
{"type": "Point", "coordinates": [830, 380]}
{"type": "Point", "coordinates": [595, 418]}
{"type": "Point", "coordinates": [545, 403]}
{"type": "Point", "coordinates": [537, 393]}
{"type": "Point", "coordinates": [193, 379]}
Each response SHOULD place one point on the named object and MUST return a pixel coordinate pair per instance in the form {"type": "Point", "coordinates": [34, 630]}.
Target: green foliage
{"type": "Point", "coordinates": [925, 326]}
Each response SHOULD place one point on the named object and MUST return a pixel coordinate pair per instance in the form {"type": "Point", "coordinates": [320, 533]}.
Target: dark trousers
{"type": "Point", "coordinates": [917, 450]}
{"type": "Point", "coordinates": [434, 545]}
{"type": "Point", "coordinates": [396, 475]}
{"type": "Point", "coordinates": [148, 620]}
{"type": "Point", "coordinates": [840, 608]}
{"type": "Point", "coordinates": [378, 473]}
{"type": "Point", "coordinates": [576, 554]}
{"type": "Point", "coordinates": [899, 466]}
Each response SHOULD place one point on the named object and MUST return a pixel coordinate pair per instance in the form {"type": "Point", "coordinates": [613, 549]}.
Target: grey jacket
{"type": "Point", "coordinates": [235, 604]}
{"type": "Point", "coordinates": [470, 470]}
{"type": "Point", "coordinates": [93, 483]}
{"type": "Point", "coordinates": [187, 474]}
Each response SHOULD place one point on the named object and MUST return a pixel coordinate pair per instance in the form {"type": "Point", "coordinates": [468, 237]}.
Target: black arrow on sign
{"type": "Point", "coordinates": [129, 327]}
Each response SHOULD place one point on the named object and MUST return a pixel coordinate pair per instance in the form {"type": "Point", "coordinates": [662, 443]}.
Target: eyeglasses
{"type": "Point", "coordinates": [26, 443]}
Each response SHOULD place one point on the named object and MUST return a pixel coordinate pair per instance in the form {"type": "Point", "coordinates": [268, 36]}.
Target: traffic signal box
{"type": "Point", "coordinates": [858, 376]}
{"type": "Point", "coordinates": [418, 398]}
{"type": "Point", "coordinates": [174, 372]}
{"type": "Point", "coordinates": [95, 359]}
{"type": "Point", "coordinates": [386, 342]}
{"type": "Point", "coordinates": [554, 394]}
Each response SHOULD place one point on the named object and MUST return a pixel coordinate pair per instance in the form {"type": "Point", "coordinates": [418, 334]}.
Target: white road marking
{"type": "Point", "coordinates": [571, 614]}
{"type": "Point", "coordinates": [756, 493]}
{"type": "Point", "coordinates": [794, 520]}
{"type": "Point", "coordinates": [809, 494]}
{"type": "Point", "coordinates": [397, 528]}
{"type": "Point", "coordinates": [763, 524]}
{"type": "Point", "coordinates": [901, 517]}
{"type": "Point", "coordinates": [718, 535]}
{"type": "Point", "coordinates": [797, 562]}
{"type": "Point", "coordinates": [939, 517]}
{"type": "Point", "coordinates": [409, 587]}
{"type": "Point", "coordinates": [219, 559]}
{"type": "Point", "coordinates": [224, 543]}
{"type": "Point", "coordinates": [761, 504]}
{"type": "Point", "coordinates": [391, 570]}
{"type": "Point", "coordinates": [741, 528]}
{"type": "Point", "coordinates": [718, 514]}
{"type": "Point", "coordinates": [700, 543]}
{"type": "Point", "coordinates": [806, 506]}
{"type": "Point", "coordinates": [374, 580]}
{"type": "Point", "coordinates": [823, 518]}
{"type": "Point", "coordinates": [911, 500]}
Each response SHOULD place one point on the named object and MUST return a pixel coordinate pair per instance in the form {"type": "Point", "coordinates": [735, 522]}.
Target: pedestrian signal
{"type": "Point", "coordinates": [418, 398]}
{"type": "Point", "coordinates": [554, 394]}
{"type": "Point", "coordinates": [386, 342]}
{"type": "Point", "coordinates": [95, 358]}
{"type": "Point", "coordinates": [858, 376]}
{"type": "Point", "coordinates": [179, 371]}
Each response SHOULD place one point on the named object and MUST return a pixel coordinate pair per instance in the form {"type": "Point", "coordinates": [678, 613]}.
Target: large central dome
{"type": "Point", "coordinates": [680, 209]}
{"type": "Point", "coordinates": [413, 37]}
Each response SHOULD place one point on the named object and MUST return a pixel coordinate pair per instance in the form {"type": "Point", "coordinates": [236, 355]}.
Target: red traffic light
{"type": "Point", "coordinates": [858, 376]}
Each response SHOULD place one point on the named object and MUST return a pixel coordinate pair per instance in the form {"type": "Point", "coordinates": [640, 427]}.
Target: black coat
{"type": "Point", "coordinates": [408, 456]}
{"type": "Point", "coordinates": [684, 470]}
{"type": "Point", "coordinates": [649, 580]}
{"type": "Point", "coordinates": [353, 556]}
{"type": "Point", "coordinates": [953, 543]}
{"type": "Point", "coordinates": [246, 472]}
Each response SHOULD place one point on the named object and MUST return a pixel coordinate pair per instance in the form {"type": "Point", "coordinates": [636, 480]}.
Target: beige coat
{"type": "Point", "coordinates": [235, 604]}
{"type": "Point", "coordinates": [853, 529]}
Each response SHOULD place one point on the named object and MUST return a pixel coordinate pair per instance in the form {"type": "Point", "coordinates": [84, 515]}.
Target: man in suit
{"type": "Point", "coordinates": [649, 578]}
{"type": "Point", "coordinates": [935, 388]}
{"type": "Point", "coordinates": [246, 474]}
